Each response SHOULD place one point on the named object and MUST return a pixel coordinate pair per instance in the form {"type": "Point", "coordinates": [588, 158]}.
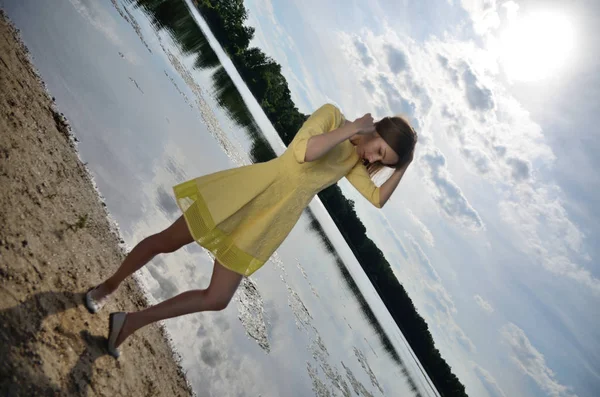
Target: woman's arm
{"type": "Point", "coordinates": [388, 187]}
{"type": "Point", "coordinates": [378, 196]}
{"type": "Point", "coordinates": [318, 145]}
{"type": "Point", "coordinates": [362, 182]}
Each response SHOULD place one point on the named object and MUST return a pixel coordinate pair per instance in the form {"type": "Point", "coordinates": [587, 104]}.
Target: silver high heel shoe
{"type": "Point", "coordinates": [94, 305]}
{"type": "Point", "coordinates": [115, 324]}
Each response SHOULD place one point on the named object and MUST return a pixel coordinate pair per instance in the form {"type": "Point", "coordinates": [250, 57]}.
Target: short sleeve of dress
{"type": "Point", "coordinates": [360, 179]}
{"type": "Point", "coordinates": [327, 118]}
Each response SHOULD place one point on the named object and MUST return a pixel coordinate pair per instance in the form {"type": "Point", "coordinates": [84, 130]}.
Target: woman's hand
{"type": "Point", "coordinates": [364, 125]}
{"type": "Point", "coordinates": [410, 157]}
{"type": "Point", "coordinates": [388, 187]}
{"type": "Point", "coordinates": [318, 145]}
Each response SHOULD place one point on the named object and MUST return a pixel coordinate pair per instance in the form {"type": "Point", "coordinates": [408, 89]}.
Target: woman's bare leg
{"type": "Point", "coordinates": [223, 284]}
{"type": "Point", "coordinates": [171, 239]}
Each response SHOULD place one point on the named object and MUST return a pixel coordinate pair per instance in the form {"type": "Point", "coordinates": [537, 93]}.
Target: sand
{"type": "Point", "coordinates": [56, 242]}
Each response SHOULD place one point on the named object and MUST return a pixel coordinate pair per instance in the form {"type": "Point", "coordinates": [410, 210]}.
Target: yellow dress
{"type": "Point", "coordinates": [243, 214]}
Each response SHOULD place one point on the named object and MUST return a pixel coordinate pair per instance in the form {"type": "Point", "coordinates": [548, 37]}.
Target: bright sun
{"type": "Point", "coordinates": [536, 46]}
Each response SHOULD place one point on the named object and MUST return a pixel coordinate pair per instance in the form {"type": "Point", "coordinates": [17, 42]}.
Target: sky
{"type": "Point", "coordinates": [492, 228]}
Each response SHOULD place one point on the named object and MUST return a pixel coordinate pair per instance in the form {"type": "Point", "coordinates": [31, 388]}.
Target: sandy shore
{"type": "Point", "coordinates": [55, 242]}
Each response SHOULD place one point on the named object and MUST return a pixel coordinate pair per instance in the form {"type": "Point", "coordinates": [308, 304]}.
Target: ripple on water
{"type": "Point", "coordinates": [301, 270]}
{"type": "Point", "coordinates": [120, 11]}
{"type": "Point", "coordinates": [184, 96]}
{"type": "Point", "coordinates": [301, 314]}
{"type": "Point", "coordinates": [251, 313]}
{"type": "Point", "coordinates": [363, 362]}
{"type": "Point", "coordinates": [207, 115]}
{"type": "Point", "coordinates": [319, 387]}
{"type": "Point", "coordinates": [135, 26]}
{"type": "Point", "coordinates": [371, 347]}
{"type": "Point", "coordinates": [321, 356]}
{"type": "Point", "coordinates": [205, 111]}
{"type": "Point", "coordinates": [356, 385]}
{"type": "Point", "coordinates": [312, 288]}
{"type": "Point", "coordinates": [332, 378]}
{"type": "Point", "coordinates": [279, 264]}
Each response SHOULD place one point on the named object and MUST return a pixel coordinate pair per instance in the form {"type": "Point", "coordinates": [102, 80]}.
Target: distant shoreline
{"type": "Point", "coordinates": [55, 242]}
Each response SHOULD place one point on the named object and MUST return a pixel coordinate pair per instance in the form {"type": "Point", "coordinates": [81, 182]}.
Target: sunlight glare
{"type": "Point", "coordinates": [536, 45]}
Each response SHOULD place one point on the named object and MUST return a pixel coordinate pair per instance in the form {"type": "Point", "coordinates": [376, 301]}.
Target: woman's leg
{"type": "Point", "coordinates": [223, 284]}
{"type": "Point", "coordinates": [171, 239]}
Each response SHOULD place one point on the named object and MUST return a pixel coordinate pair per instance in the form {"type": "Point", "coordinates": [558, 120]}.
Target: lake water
{"type": "Point", "coordinates": [154, 101]}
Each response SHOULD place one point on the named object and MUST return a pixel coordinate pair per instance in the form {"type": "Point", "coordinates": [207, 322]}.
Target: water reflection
{"type": "Point", "coordinates": [366, 310]}
{"type": "Point", "coordinates": [175, 18]}
{"type": "Point", "coordinates": [230, 99]}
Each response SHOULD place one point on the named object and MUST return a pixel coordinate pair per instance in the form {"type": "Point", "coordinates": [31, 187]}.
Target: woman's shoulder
{"type": "Point", "coordinates": [331, 112]}
{"type": "Point", "coordinates": [329, 107]}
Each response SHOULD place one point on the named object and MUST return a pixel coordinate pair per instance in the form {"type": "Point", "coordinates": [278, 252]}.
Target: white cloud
{"type": "Point", "coordinates": [510, 9]}
{"type": "Point", "coordinates": [459, 335]}
{"type": "Point", "coordinates": [276, 48]}
{"type": "Point", "coordinates": [485, 305]}
{"type": "Point", "coordinates": [396, 103]}
{"type": "Point", "coordinates": [438, 298]}
{"type": "Point", "coordinates": [484, 15]}
{"type": "Point", "coordinates": [385, 69]}
{"type": "Point", "coordinates": [477, 158]}
{"type": "Point", "coordinates": [546, 233]}
{"type": "Point", "coordinates": [397, 59]}
{"type": "Point", "coordinates": [479, 96]}
{"type": "Point", "coordinates": [427, 235]}
{"type": "Point", "coordinates": [521, 169]}
{"type": "Point", "coordinates": [503, 145]}
{"type": "Point", "coordinates": [266, 8]}
{"type": "Point", "coordinates": [451, 72]}
{"type": "Point", "coordinates": [390, 230]}
{"type": "Point", "coordinates": [532, 363]}
{"type": "Point", "coordinates": [98, 17]}
{"type": "Point", "coordinates": [447, 194]}
{"type": "Point", "coordinates": [363, 51]}
{"type": "Point", "coordinates": [488, 381]}
{"type": "Point", "coordinates": [425, 286]}
{"type": "Point", "coordinates": [369, 86]}
{"type": "Point", "coordinates": [423, 259]}
{"type": "Point", "coordinates": [500, 145]}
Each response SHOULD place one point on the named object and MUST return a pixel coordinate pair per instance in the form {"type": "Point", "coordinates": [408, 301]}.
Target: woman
{"type": "Point", "coordinates": [242, 215]}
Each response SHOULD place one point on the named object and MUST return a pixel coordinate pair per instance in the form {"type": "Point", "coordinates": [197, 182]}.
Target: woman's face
{"type": "Point", "coordinates": [373, 148]}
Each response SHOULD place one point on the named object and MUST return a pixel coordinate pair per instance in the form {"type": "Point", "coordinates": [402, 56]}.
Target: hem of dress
{"type": "Point", "coordinates": [205, 232]}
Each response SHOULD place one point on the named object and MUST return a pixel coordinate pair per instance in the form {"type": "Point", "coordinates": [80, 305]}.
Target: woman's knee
{"type": "Point", "coordinates": [164, 243]}
{"type": "Point", "coordinates": [221, 305]}
{"type": "Point", "coordinates": [216, 302]}
{"type": "Point", "coordinates": [174, 237]}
